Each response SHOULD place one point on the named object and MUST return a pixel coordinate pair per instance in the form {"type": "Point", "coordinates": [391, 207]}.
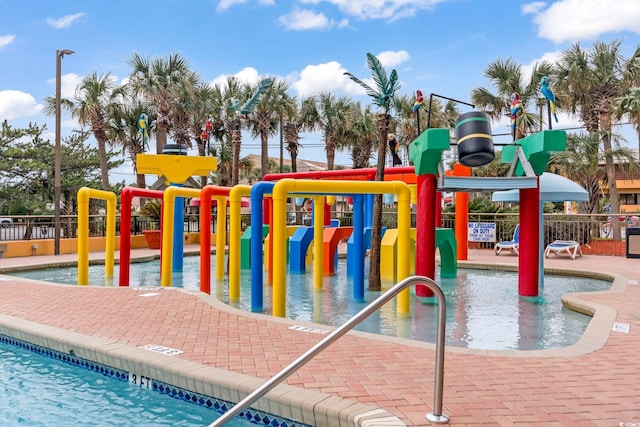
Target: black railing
{"type": "Point", "coordinates": [585, 229]}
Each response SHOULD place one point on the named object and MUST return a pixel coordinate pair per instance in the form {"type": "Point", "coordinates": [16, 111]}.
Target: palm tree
{"type": "Point", "coordinates": [629, 105]}
{"type": "Point", "coordinates": [227, 129]}
{"type": "Point", "coordinates": [362, 136]}
{"type": "Point", "coordinates": [507, 77]}
{"type": "Point", "coordinates": [583, 161]}
{"type": "Point", "coordinates": [125, 131]}
{"type": "Point", "coordinates": [333, 116]}
{"type": "Point", "coordinates": [198, 111]}
{"type": "Point", "coordinates": [95, 98]}
{"type": "Point", "coordinates": [589, 83]}
{"type": "Point", "coordinates": [264, 119]}
{"type": "Point", "coordinates": [222, 152]}
{"type": "Point", "coordinates": [297, 119]}
{"type": "Point", "coordinates": [383, 97]}
{"type": "Point", "coordinates": [406, 129]}
{"type": "Point", "coordinates": [162, 82]}
{"type": "Point", "coordinates": [240, 100]}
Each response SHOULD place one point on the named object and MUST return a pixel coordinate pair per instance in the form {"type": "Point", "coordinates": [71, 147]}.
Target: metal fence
{"type": "Point", "coordinates": [588, 230]}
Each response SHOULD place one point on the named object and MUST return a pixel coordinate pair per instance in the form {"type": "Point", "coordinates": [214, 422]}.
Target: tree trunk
{"type": "Point", "coordinates": [264, 156]}
{"type": "Point", "coordinates": [331, 156]}
{"type": "Point", "coordinates": [141, 180]}
{"type": "Point", "coordinates": [104, 164]}
{"type": "Point", "coordinates": [376, 225]}
{"type": "Point", "coordinates": [161, 137]}
{"type": "Point", "coordinates": [294, 160]}
{"type": "Point", "coordinates": [235, 152]}
{"type": "Point", "coordinates": [605, 125]}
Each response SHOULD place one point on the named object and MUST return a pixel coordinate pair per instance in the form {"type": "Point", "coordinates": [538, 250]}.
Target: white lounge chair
{"type": "Point", "coordinates": [511, 245]}
{"type": "Point", "coordinates": [570, 247]}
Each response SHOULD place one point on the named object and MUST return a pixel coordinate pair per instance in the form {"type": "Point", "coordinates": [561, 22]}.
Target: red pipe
{"type": "Point", "coordinates": [438, 209]}
{"type": "Point", "coordinates": [529, 250]}
{"type": "Point", "coordinates": [369, 173]}
{"type": "Point", "coordinates": [206, 194]}
{"type": "Point", "coordinates": [426, 231]}
{"type": "Point", "coordinates": [462, 215]}
{"type": "Point", "coordinates": [126, 197]}
{"type": "Point", "coordinates": [462, 225]}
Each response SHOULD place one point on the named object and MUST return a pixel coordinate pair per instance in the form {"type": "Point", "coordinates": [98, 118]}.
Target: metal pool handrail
{"type": "Point", "coordinates": [436, 417]}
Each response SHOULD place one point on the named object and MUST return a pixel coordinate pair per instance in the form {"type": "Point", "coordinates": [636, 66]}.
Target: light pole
{"type": "Point", "coordinates": [56, 224]}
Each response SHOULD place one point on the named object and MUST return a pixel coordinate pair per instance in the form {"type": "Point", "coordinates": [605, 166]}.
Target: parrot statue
{"type": "Point", "coordinates": [546, 91]}
{"type": "Point", "coordinates": [393, 146]}
{"type": "Point", "coordinates": [418, 103]}
{"type": "Point", "coordinates": [515, 111]}
{"type": "Point", "coordinates": [143, 127]}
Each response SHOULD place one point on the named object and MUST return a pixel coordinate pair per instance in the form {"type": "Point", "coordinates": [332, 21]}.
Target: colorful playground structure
{"type": "Point", "coordinates": [270, 245]}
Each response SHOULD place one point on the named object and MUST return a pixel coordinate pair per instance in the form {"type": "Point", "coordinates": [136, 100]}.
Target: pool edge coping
{"type": "Point", "coordinates": [297, 404]}
{"type": "Point", "coordinates": [594, 337]}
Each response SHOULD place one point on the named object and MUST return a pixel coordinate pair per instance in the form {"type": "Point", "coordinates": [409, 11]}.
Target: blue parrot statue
{"type": "Point", "coordinates": [143, 128]}
{"type": "Point", "coordinates": [515, 111]}
{"type": "Point", "coordinates": [546, 91]}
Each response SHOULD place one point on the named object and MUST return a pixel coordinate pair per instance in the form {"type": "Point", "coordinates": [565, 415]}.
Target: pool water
{"type": "Point", "coordinates": [484, 310]}
{"type": "Point", "coordinates": [41, 391]}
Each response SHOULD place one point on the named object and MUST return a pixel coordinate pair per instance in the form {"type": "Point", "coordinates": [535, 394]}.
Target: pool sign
{"type": "Point", "coordinates": [482, 232]}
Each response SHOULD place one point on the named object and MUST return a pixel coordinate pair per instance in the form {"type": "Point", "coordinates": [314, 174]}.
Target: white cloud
{"type": "Point", "coordinates": [6, 40]}
{"type": "Point", "coordinates": [246, 75]}
{"type": "Point", "coordinates": [550, 57]}
{"type": "Point", "coordinates": [65, 21]}
{"type": "Point", "coordinates": [379, 9]}
{"type": "Point", "coordinates": [302, 20]}
{"type": "Point", "coordinates": [573, 20]}
{"type": "Point", "coordinates": [390, 58]}
{"type": "Point", "coordinates": [15, 104]}
{"type": "Point", "coordinates": [534, 7]}
{"type": "Point", "coordinates": [324, 77]}
{"type": "Point", "coordinates": [226, 4]}
{"type": "Point", "coordinates": [68, 84]}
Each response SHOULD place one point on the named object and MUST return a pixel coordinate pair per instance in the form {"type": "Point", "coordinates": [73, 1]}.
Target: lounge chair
{"type": "Point", "coordinates": [512, 245]}
{"type": "Point", "coordinates": [570, 247]}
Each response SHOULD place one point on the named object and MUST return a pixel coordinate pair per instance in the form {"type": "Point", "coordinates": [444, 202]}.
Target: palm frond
{"type": "Point", "coordinates": [366, 87]}
{"type": "Point", "coordinates": [255, 98]}
{"type": "Point", "coordinates": [378, 72]}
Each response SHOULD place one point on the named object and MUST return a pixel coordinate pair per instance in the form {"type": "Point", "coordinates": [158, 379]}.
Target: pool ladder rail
{"type": "Point", "coordinates": [435, 417]}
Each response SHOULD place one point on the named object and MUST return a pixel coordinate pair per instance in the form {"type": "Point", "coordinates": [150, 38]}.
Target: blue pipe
{"type": "Point", "coordinates": [257, 257]}
{"type": "Point", "coordinates": [358, 247]}
{"type": "Point", "coordinates": [178, 233]}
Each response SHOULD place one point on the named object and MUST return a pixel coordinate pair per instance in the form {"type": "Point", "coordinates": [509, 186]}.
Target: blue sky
{"type": "Point", "coordinates": [437, 46]}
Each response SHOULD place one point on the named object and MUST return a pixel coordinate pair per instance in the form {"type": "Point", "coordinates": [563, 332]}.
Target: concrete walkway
{"type": "Point", "coordinates": [595, 382]}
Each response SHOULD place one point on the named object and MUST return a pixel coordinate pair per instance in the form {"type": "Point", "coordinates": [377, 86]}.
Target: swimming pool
{"type": "Point", "coordinates": [484, 310]}
{"type": "Point", "coordinates": [42, 387]}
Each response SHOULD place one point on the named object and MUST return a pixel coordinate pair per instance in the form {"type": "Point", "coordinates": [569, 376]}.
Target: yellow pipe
{"type": "Point", "coordinates": [235, 226]}
{"type": "Point", "coordinates": [84, 194]}
{"type": "Point", "coordinates": [318, 241]}
{"type": "Point", "coordinates": [404, 247]}
{"type": "Point", "coordinates": [285, 186]}
{"type": "Point", "coordinates": [83, 236]}
{"type": "Point", "coordinates": [279, 259]}
{"type": "Point", "coordinates": [221, 235]}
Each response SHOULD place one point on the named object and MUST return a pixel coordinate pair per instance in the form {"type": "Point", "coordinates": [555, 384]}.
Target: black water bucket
{"type": "Point", "coordinates": [175, 149]}
{"type": "Point", "coordinates": [473, 134]}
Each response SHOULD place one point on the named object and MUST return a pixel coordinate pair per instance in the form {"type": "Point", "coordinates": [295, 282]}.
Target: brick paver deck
{"type": "Point", "coordinates": [595, 382]}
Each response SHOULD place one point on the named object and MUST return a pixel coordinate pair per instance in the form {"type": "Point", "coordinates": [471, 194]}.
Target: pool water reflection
{"type": "Point", "coordinates": [484, 310]}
